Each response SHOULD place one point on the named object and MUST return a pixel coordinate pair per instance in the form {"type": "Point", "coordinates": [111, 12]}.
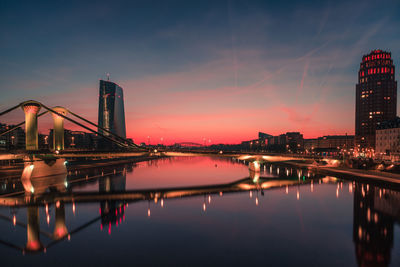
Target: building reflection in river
{"type": "Point", "coordinates": [112, 211]}
{"type": "Point", "coordinates": [375, 212]}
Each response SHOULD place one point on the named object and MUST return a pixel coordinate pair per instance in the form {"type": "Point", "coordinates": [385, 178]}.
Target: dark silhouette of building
{"type": "Point", "coordinates": [329, 144]}
{"type": "Point", "coordinates": [75, 140]}
{"type": "Point", "coordinates": [376, 96]}
{"type": "Point", "coordinates": [111, 109]}
{"type": "Point", "coordinates": [12, 140]}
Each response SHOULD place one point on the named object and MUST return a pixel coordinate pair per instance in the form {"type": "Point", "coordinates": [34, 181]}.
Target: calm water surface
{"type": "Point", "coordinates": [198, 211]}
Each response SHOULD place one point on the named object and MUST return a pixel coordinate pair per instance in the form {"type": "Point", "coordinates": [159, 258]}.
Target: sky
{"type": "Point", "coordinates": [219, 71]}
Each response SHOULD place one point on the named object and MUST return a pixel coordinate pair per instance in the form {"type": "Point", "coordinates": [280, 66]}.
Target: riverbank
{"type": "Point", "coordinates": [349, 173]}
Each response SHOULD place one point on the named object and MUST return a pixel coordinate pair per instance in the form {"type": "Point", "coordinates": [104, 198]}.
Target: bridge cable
{"type": "Point", "coordinates": [10, 109]}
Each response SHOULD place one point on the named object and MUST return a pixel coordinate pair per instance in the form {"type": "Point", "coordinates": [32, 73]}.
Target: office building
{"type": "Point", "coordinates": [111, 108]}
{"type": "Point", "coordinates": [376, 96]}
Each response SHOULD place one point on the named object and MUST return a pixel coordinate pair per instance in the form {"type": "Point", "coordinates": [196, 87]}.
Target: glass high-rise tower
{"type": "Point", "coordinates": [111, 108]}
{"type": "Point", "coordinates": [376, 96]}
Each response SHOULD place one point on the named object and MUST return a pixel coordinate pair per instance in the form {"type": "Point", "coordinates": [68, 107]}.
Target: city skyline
{"type": "Point", "coordinates": [223, 73]}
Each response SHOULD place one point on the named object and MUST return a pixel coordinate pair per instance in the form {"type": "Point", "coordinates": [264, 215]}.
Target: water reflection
{"type": "Point", "coordinates": [375, 212]}
{"type": "Point", "coordinates": [46, 187]}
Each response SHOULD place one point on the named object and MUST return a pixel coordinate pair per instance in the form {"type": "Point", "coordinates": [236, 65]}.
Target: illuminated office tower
{"type": "Point", "coordinates": [111, 109]}
{"type": "Point", "coordinates": [376, 96]}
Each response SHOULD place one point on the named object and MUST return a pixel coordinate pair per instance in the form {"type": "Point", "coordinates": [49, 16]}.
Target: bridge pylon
{"type": "Point", "coordinates": [58, 129]}
{"type": "Point", "coordinates": [31, 109]}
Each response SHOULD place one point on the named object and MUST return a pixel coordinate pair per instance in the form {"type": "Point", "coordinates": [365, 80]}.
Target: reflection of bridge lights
{"type": "Point", "coordinates": [209, 199]}
{"type": "Point", "coordinates": [312, 186]}
{"type": "Point", "coordinates": [287, 189]}
{"type": "Point", "coordinates": [251, 194]}
{"type": "Point", "coordinates": [162, 203]}
{"type": "Point", "coordinates": [256, 201]}
{"type": "Point", "coordinates": [48, 219]}
{"type": "Point", "coordinates": [350, 188]}
{"type": "Point", "coordinates": [109, 228]}
{"type": "Point", "coordinates": [287, 172]}
{"type": "Point", "coordinates": [337, 192]}
{"type": "Point", "coordinates": [47, 208]}
{"type": "Point", "coordinates": [148, 212]}
{"type": "Point", "coordinates": [220, 193]}
{"type": "Point", "coordinates": [204, 206]}
{"type": "Point", "coordinates": [73, 208]}
{"type": "Point", "coordinates": [14, 220]}
{"type": "Point", "coordinates": [298, 195]}
{"type": "Point", "coordinates": [58, 204]}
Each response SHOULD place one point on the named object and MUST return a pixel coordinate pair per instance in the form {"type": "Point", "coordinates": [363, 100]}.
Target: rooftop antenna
{"type": "Point", "coordinates": [108, 76]}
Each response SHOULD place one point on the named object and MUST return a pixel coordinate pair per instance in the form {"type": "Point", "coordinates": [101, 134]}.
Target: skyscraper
{"type": "Point", "coordinates": [111, 108]}
{"type": "Point", "coordinates": [376, 96]}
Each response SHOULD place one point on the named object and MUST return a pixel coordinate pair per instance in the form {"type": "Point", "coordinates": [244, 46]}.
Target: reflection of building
{"type": "Point", "coordinates": [375, 211]}
{"type": "Point", "coordinates": [112, 211]}
{"type": "Point", "coordinates": [376, 96]}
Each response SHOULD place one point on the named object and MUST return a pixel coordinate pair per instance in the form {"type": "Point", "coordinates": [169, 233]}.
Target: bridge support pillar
{"type": "Point", "coordinates": [31, 109]}
{"type": "Point", "coordinates": [58, 129]}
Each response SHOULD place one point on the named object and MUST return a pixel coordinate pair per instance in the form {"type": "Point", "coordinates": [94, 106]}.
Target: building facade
{"type": "Point", "coordinates": [13, 140]}
{"type": "Point", "coordinates": [331, 144]}
{"type": "Point", "coordinates": [388, 140]}
{"type": "Point", "coordinates": [376, 96]}
{"type": "Point", "coordinates": [111, 109]}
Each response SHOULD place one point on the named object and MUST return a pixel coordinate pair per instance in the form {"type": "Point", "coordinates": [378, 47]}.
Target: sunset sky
{"type": "Point", "coordinates": [220, 70]}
